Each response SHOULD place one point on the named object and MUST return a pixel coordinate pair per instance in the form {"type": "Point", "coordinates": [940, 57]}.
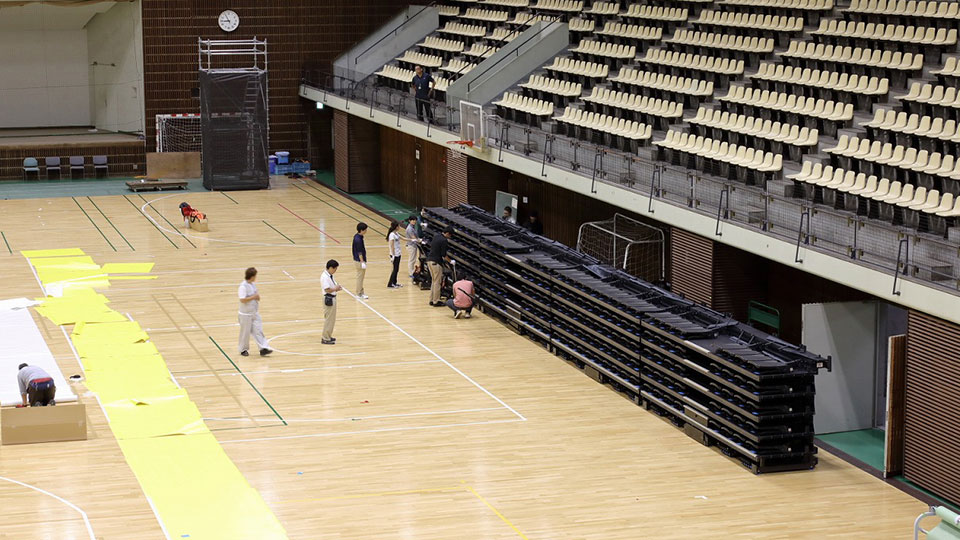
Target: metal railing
{"type": "Point", "coordinates": [706, 188]}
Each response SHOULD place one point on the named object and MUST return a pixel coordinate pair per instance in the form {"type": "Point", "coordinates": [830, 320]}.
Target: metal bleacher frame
{"type": "Point", "coordinates": [723, 382]}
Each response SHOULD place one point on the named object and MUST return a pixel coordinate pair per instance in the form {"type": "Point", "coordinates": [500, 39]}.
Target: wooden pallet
{"type": "Point", "coordinates": [156, 185]}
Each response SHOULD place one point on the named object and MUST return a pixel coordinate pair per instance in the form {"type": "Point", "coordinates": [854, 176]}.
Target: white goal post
{"type": "Point", "coordinates": [627, 244]}
{"type": "Point", "coordinates": [179, 132]}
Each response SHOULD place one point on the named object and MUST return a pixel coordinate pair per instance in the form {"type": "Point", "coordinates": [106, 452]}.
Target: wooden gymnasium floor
{"type": "Point", "coordinates": [413, 426]}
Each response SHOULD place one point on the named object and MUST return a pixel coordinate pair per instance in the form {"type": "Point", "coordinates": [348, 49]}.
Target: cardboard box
{"type": "Point", "coordinates": [200, 225]}
{"type": "Point", "coordinates": [67, 422]}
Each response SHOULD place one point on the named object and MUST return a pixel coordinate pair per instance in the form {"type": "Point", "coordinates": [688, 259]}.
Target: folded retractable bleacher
{"type": "Point", "coordinates": [724, 383]}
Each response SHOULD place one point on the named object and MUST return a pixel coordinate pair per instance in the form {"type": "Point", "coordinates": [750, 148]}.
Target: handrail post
{"type": "Point", "coordinates": [803, 215]}
{"type": "Point", "coordinates": [598, 156]}
{"type": "Point", "coordinates": [724, 194]}
{"type": "Point", "coordinates": [399, 109]}
{"type": "Point", "coordinates": [503, 135]}
{"type": "Point", "coordinates": [902, 249]}
{"type": "Point", "coordinates": [655, 180]}
{"type": "Point", "coordinates": [548, 142]}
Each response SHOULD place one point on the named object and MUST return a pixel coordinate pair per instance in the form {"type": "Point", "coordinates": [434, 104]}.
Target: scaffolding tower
{"type": "Point", "coordinates": [234, 113]}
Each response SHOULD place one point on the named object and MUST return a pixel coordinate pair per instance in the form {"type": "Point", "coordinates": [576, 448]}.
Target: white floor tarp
{"type": "Point", "coordinates": [21, 341]}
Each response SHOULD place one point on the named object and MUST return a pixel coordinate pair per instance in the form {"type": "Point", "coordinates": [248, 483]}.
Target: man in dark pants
{"type": "Point", "coordinates": [36, 386]}
{"type": "Point", "coordinates": [533, 223]}
{"type": "Point", "coordinates": [423, 85]}
{"type": "Point", "coordinates": [435, 259]}
{"type": "Point", "coordinates": [360, 258]}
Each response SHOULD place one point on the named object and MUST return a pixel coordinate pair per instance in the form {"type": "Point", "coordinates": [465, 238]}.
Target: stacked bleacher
{"type": "Point", "coordinates": [724, 383]}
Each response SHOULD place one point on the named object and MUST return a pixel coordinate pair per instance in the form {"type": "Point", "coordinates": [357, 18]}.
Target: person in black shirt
{"type": "Point", "coordinates": [533, 223]}
{"type": "Point", "coordinates": [435, 259]}
{"type": "Point", "coordinates": [423, 86]}
{"type": "Point", "coordinates": [360, 258]}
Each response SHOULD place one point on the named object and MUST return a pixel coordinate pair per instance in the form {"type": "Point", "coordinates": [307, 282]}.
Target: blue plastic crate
{"type": "Point", "coordinates": [299, 167]}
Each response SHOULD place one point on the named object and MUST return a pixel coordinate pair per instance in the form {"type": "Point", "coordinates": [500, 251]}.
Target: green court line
{"type": "Point", "coordinates": [244, 375]}
{"type": "Point", "coordinates": [172, 226]}
{"type": "Point", "coordinates": [278, 232]}
{"type": "Point", "coordinates": [111, 223]}
{"type": "Point", "coordinates": [229, 197]}
{"type": "Point", "coordinates": [336, 191]}
{"type": "Point", "coordinates": [5, 242]}
{"type": "Point", "coordinates": [152, 223]}
{"type": "Point", "coordinates": [334, 207]}
{"type": "Point", "coordinates": [94, 224]}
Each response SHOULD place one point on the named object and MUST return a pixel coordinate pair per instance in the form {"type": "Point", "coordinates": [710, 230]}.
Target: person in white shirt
{"type": "Point", "coordinates": [393, 245]}
{"type": "Point", "coordinates": [249, 315]}
{"type": "Point", "coordinates": [330, 290]}
{"type": "Point", "coordinates": [413, 253]}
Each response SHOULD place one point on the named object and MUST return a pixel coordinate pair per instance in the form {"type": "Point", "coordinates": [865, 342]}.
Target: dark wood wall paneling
{"type": "Point", "coordinates": [738, 277]}
{"type": "Point", "coordinates": [357, 154]}
{"type": "Point", "coordinates": [727, 279]}
{"type": "Point", "coordinates": [127, 159]}
{"type": "Point", "coordinates": [483, 181]}
{"type": "Point", "coordinates": [561, 211]}
{"type": "Point", "coordinates": [931, 453]}
{"type": "Point", "coordinates": [691, 266]}
{"type": "Point", "coordinates": [341, 170]}
{"type": "Point", "coordinates": [413, 171]}
{"type": "Point", "coordinates": [300, 34]}
{"type": "Point", "coordinates": [458, 184]}
{"type": "Point", "coordinates": [398, 164]}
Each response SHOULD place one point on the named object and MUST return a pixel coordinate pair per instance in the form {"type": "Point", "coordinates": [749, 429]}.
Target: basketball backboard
{"type": "Point", "coordinates": [471, 124]}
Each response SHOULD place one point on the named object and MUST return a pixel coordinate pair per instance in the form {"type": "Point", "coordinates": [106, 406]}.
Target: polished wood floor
{"type": "Point", "coordinates": [415, 425]}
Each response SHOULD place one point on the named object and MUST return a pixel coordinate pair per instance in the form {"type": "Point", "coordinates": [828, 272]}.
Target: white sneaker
{"type": "Point", "coordinates": [457, 314]}
{"type": "Point", "coordinates": [362, 296]}
{"type": "Point", "coordinates": [466, 315]}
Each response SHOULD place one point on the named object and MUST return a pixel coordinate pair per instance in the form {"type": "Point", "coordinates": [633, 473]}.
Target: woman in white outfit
{"type": "Point", "coordinates": [250, 322]}
{"type": "Point", "coordinates": [393, 245]}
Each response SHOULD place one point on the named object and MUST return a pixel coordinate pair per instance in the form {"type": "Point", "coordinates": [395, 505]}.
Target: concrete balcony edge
{"type": "Point", "coordinates": [913, 294]}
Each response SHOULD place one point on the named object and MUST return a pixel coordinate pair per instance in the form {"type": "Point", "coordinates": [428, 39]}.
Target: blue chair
{"type": "Point", "coordinates": [100, 166]}
{"type": "Point", "coordinates": [76, 166]}
{"type": "Point", "coordinates": [30, 165]}
{"type": "Point", "coordinates": [53, 165]}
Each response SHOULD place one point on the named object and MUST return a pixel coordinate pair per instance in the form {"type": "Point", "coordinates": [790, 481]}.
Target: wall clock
{"type": "Point", "coordinates": [228, 20]}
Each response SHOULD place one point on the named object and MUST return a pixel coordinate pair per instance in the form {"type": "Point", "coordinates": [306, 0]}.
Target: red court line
{"type": "Point", "coordinates": [308, 223]}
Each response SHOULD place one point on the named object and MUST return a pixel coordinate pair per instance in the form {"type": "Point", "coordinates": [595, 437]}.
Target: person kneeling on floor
{"type": "Point", "coordinates": [36, 386]}
{"type": "Point", "coordinates": [462, 301]}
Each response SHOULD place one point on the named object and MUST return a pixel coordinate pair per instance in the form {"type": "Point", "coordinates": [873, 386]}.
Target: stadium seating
{"type": "Point", "coordinates": [602, 128]}
{"type": "Point", "coordinates": [768, 83]}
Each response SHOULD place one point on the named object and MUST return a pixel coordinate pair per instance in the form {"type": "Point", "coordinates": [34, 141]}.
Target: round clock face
{"type": "Point", "coordinates": [229, 20]}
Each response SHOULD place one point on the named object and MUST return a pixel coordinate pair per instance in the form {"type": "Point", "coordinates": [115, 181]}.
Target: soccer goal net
{"type": "Point", "coordinates": [179, 133]}
{"type": "Point", "coordinates": [625, 243]}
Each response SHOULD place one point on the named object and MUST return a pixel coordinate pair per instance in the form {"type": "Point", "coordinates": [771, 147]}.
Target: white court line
{"type": "Point", "coordinates": [202, 285]}
{"type": "Point", "coordinates": [237, 242]}
{"type": "Point", "coordinates": [428, 413]}
{"type": "Point", "coordinates": [157, 514]}
{"type": "Point", "coordinates": [429, 350]}
{"type": "Point", "coordinates": [384, 430]}
{"type": "Point", "coordinates": [77, 356]}
{"type": "Point", "coordinates": [34, 270]}
{"type": "Point", "coordinates": [86, 520]}
{"type": "Point", "coordinates": [194, 327]}
{"type": "Point", "coordinates": [299, 370]}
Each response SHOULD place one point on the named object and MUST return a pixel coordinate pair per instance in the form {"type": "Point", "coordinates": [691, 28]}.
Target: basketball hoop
{"type": "Point", "coordinates": [462, 143]}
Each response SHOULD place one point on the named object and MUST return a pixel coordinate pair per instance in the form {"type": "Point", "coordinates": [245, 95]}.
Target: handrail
{"type": "Point", "coordinates": [881, 256]}
{"type": "Point", "coordinates": [517, 50]}
{"type": "Point", "coordinates": [356, 60]}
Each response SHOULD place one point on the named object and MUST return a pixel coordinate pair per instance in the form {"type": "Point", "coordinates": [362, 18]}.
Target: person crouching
{"type": "Point", "coordinates": [36, 386]}
{"type": "Point", "coordinates": [462, 301]}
